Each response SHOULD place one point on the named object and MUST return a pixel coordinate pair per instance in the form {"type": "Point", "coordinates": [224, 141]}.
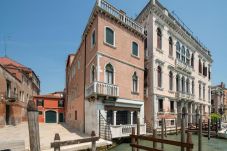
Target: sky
{"type": "Point", "coordinates": [40, 34]}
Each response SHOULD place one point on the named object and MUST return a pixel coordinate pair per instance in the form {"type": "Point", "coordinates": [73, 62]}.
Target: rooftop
{"type": "Point", "coordinates": [178, 22]}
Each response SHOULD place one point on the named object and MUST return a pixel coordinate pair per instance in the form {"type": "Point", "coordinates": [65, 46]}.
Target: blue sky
{"type": "Point", "coordinates": [42, 33]}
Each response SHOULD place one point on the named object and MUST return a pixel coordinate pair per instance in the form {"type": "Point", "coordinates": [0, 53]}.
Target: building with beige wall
{"type": "Point", "coordinates": [17, 85]}
{"type": "Point", "coordinates": [178, 68]}
{"type": "Point", "coordinates": [218, 100]}
{"type": "Point", "coordinates": [105, 77]}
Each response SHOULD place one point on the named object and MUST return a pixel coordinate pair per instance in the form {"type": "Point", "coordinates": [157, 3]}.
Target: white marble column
{"type": "Point", "coordinates": [132, 117]}
{"type": "Point", "coordinates": [114, 118]}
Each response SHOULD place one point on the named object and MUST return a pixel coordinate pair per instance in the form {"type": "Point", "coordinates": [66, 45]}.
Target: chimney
{"type": "Point", "coordinates": [222, 85]}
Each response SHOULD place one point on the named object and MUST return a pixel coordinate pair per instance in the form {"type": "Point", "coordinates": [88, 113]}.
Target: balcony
{"type": "Point", "coordinates": [102, 89]}
{"type": "Point", "coordinates": [183, 66]}
{"type": "Point", "coordinates": [126, 130]}
{"type": "Point", "coordinates": [10, 96]}
{"type": "Point", "coordinates": [186, 96]}
{"type": "Point", "coordinates": [120, 15]}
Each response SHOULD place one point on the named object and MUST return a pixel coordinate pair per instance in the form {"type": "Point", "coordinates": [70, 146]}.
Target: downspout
{"type": "Point", "coordinates": [85, 61]}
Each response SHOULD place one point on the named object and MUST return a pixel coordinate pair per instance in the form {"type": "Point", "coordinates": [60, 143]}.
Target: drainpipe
{"type": "Point", "coordinates": [85, 61]}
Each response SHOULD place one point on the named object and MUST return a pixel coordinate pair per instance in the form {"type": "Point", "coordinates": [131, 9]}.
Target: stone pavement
{"type": "Point", "coordinates": [11, 134]}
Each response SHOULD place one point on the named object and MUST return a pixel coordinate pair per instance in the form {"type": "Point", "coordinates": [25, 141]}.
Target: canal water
{"type": "Point", "coordinates": [207, 145]}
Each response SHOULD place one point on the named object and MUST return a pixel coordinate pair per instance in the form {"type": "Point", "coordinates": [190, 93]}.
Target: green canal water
{"type": "Point", "coordinates": [207, 145]}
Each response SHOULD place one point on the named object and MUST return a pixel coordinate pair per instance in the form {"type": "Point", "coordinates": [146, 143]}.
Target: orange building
{"type": "Point", "coordinates": [50, 107]}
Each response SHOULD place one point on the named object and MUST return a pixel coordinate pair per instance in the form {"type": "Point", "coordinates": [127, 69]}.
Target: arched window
{"type": "Point", "coordinates": [159, 75]}
{"type": "Point", "coordinates": [109, 74]}
{"type": "Point", "coordinates": [135, 82]}
{"type": "Point", "coordinates": [177, 83]}
{"type": "Point", "coordinates": [170, 46]}
{"type": "Point", "coordinates": [192, 60]}
{"type": "Point", "coordinates": [170, 80]}
{"type": "Point", "coordinates": [183, 84]}
{"type": "Point", "coordinates": [135, 49]}
{"type": "Point", "coordinates": [159, 38]}
{"type": "Point", "coordinates": [92, 73]}
{"type": "Point", "coordinates": [188, 57]}
{"type": "Point", "coordinates": [109, 36]}
{"type": "Point", "coordinates": [178, 50]}
{"type": "Point", "coordinates": [183, 54]}
{"type": "Point", "coordinates": [200, 66]}
{"type": "Point", "coordinates": [188, 86]}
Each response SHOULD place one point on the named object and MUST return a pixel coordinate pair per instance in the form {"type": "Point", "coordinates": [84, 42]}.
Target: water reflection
{"type": "Point", "coordinates": [208, 145]}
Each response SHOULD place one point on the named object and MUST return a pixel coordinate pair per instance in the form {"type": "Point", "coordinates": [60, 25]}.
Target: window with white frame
{"type": "Point", "coordinates": [170, 46]}
{"type": "Point", "coordinates": [93, 39]}
{"type": "Point", "coordinates": [159, 38]}
{"type": "Point", "coordinates": [134, 83]}
{"type": "Point", "coordinates": [177, 83]}
{"type": "Point", "coordinates": [171, 80]}
{"type": "Point", "coordinates": [135, 49]}
{"type": "Point", "coordinates": [188, 86]}
{"type": "Point", "coordinates": [193, 87]}
{"type": "Point", "coordinates": [178, 52]}
{"type": "Point", "coordinates": [109, 74]}
{"type": "Point", "coordinates": [188, 57]}
{"type": "Point", "coordinates": [183, 54]}
{"type": "Point", "coordinates": [92, 74]}
{"type": "Point", "coordinates": [109, 36]}
{"type": "Point", "coordinates": [159, 75]}
{"type": "Point", "coordinates": [183, 84]}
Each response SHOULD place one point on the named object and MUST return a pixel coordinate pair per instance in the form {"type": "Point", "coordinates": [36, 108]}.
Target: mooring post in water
{"type": "Point", "coordinates": [33, 126]}
{"type": "Point", "coordinates": [176, 126]}
{"type": "Point", "coordinates": [138, 128]}
{"type": "Point", "coordinates": [183, 127]}
{"type": "Point", "coordinates": [189, 140]}
{"type": "Point", "coordinates": [208, 129]}
{"type": "Point", "coordinates": [200, 134]}
{"type": "Point", "coordinates": [165, 128]}
{"type": "Point", "coordinates": [162, 133]}
{"type": "Point", "coordinates": [133, 141]}
{"type": "Point", "coordinates": [154, 136]}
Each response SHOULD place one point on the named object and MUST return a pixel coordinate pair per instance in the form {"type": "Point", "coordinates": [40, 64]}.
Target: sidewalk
{"type": "Point", "coordinates": [11, 134]}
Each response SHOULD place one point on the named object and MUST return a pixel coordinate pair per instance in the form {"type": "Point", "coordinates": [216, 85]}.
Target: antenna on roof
{"type": "Point", "coordinates": [5, 39]}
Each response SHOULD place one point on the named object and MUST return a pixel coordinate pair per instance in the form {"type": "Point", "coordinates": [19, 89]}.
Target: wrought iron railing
{"type": "Point", "coordinates": [104, 128]}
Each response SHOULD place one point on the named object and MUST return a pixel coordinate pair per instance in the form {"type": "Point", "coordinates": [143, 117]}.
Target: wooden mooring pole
{"type": "Point", "coordinates": [165, 128]}
{"type": "Point", "coordinates": [189, 140]}
{"type": "Point", "coordinates": [154, 136]}
{"type": "Point", "coordinates": [162, 133]}
{"type": "Point", "coordinates": [200, 134]}
{"type": "Point", "coordinates": [93, 143]}
{"type": "Point", "coordinates": [33, 126]}
{"type": "Point", "coordinates": [138, 129]}
{"type": "Point", "coordinates": [133, 140]}
{"type": "Point", "coordinates": [176, 126]}
{"type": "Point", "coordinates": [208, 129]}
{"type": "Point", "coordinates": [183, 127]}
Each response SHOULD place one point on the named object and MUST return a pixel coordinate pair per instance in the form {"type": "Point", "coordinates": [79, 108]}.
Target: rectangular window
{"type": "Point", "coordinates": [172, 122]}
{"type": "Point", "coordinates": [40, 113]}
{"type": "Point", "coordinates": [61, 103]}
{"type": "Point", "coordinates": [160, 105]}
{"type": "Point", "coordinates": [93, 40]}
{"type": "Point", "coordinates": [160, 123]}
{"type": "Point", "coordinates": [39, 102]}
{"type": "Point", "coordinates": [75, 115]}
{"type": "Point", "coordinates": [109, 36]}
{"type": "Point", "coordinates": [171, 106]}
{"type": "Point", "coordinates": [135, 49]}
